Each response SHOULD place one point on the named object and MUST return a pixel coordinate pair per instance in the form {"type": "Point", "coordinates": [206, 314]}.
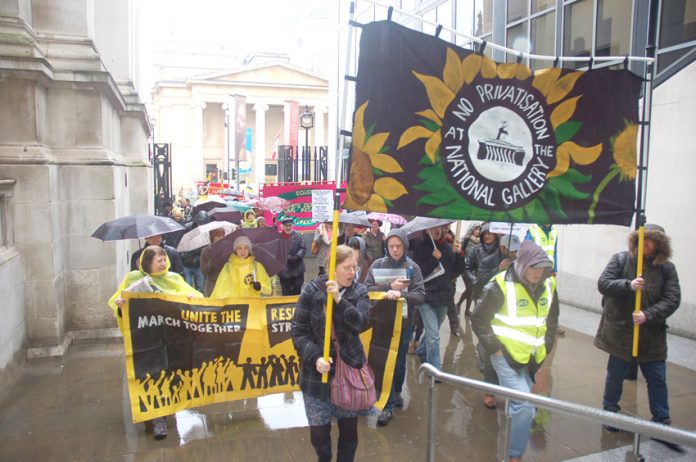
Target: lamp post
{"type": "Point", "coordinates": [306, 122]}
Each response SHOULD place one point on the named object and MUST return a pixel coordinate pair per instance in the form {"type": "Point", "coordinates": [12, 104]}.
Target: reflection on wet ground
{"type": "Point", "coordinates": [73, 408]}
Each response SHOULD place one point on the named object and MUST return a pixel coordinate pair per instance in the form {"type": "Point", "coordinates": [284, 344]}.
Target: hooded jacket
{"type": "Point", "coordinates": [415, 294]}
{"type": "Point", "coordinates": [469, 241]}
{"type": "Point", "coordinates": [661, 297]}
{"type": "Point", "coordinates": [438, 291]}
{"type": "Point", "coordinates": [237, 277]}
{"type": "Point", "coordinates": [350, 317]}
{"type": "Point", "coordinates": [165, 281]}
{"type": "Point", "coordinates": [493, 299]}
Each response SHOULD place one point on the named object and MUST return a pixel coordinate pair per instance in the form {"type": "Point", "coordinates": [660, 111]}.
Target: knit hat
{"type": "Point", "coordinates": [242, 240]}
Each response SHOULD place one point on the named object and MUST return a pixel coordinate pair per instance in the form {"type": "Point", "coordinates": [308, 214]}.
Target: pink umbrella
{"type": "Point", "coordinates": [390, 217]}
{"type": "Point", "coordinates": [273, 204]}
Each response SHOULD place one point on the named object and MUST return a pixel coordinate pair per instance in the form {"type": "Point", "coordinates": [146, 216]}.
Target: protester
{"type": "Point", "coordinates": [261, 222]}
{"type": "Point", "coordinates": [661, 296]}
{"type": "Point", "coordinates": [172, 254]}
{"type": "Point", "coordinates": [374, 240]}
{"type": "Point", "coordinates": [249, 219]}
{"type": "Point", "coordinates": [546, 237]}
{"type": "Point", "coordinates": [292, 277]}
{"type": "Point", "coordinates": [154, 263]}
{"type": "Point", "coordinates": [515, 322]}
{"type": "Point", "coordinates": [487, 246]}
{"type": "Point", "coordinates": [172, 239]}
{"type": "Point", "coordinates": [210, 271]}
{"type": "Point", "coordinates": [469, 241]}
{"type": "Point", "coordinates": [321, 246]}
{"type": "Point", "coordinates": [491, 265]}
{"type": "Point", "coordinates": [348, 232]}
{"type": "Point", "coordinates": [242, 275]}
{"type": "Point", "coordinates": [412, 290]}
{"type": "Point", "coordinates": [438, 261]}
{"type": "Point", "coordinates": [350, 317]}
{"type": "Point", "coordinates": [452, 308]}
{"type": "Point", "coordinates": [192, 259]}
{"type": "Point", "coordinates": [357, 243]}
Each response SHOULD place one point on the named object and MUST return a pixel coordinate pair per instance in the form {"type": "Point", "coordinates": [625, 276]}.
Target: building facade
{"type": "Point", "coordinates": [598, 28]}
{"type": "Point", "coordinates": [73, 154]}
{"type": "Point", "coordinates": [195, 115]}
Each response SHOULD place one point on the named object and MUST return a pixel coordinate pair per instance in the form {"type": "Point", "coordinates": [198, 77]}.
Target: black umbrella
{"type": "Point", "coordinates": [136, 227]}
{"type": "Point", "coordinates": [208, 205]}
{"type": "Point", "coordinates": [271, 254]}
{"type": "Point", "coordinates": [230, 214]}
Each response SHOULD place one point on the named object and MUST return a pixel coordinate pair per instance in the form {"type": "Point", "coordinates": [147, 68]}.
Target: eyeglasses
{"type": "Point", "coordinates": [348, 268]}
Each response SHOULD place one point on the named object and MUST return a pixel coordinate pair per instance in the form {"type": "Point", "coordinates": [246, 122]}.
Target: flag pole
{"type": "Point", "coordinates": [639, 293]}
{"type": "Point", "coordinates": [337, 196]}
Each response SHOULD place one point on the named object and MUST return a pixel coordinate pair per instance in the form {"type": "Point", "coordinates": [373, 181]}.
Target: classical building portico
{"type": "Point", "coordinates": [191, 116]}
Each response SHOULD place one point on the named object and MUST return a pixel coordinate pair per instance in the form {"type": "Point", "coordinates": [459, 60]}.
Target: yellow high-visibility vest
{"type": "Point", "coordinates": [548, 243]}
{"type": "Point", "coordinates": [520, 324]}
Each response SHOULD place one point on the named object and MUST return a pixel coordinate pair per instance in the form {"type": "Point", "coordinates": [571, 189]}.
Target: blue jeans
{"type": "Point", "coordinates": [194, 277]}
{"type": "Point", "coordinates": [400, 366]}
{"type": "Point", "coordinates": [522, 413]}
{"type": "Point", "coordinates": [655, 374]}
{"type": "Point", "coordinates": [432, 317]}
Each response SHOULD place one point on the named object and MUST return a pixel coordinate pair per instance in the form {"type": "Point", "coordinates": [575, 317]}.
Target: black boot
{"type": "Point", "coordinates": [324, 453]}
{"type": "Point", "coordinates": [346, 451]}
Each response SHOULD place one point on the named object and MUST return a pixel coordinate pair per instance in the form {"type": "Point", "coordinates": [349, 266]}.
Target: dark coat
{"type": "Point", "coordinates": [472, 273]}
{"type": "Point", "coordinates": [350, 317]}
{"type": "Point", "coordinates": [438, 291]}
{"type": "Point", "coordinates": [661, 297]}
{"type": "Point", "coordinates": [298, 249]}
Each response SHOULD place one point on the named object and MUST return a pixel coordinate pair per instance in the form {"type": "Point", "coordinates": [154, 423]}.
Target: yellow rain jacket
{"type": "Point", "coordinates": [237, 277]}
{"type": "Point", "coordinates": [166, 281]}
{"type": "Point", "coordinates": [249, 220]}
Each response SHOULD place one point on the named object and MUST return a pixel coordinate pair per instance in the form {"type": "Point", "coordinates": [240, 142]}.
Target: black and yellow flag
{"type": "Point", "coordinates": [183, 353]}
{"type": "Point", "coordinates": [440, 131]}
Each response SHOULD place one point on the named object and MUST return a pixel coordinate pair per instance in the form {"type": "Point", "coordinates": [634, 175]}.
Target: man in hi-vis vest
{"type": "Point", "coordinates": [515, 321]}
{"type": "Point", "coordinates": [546, 237]}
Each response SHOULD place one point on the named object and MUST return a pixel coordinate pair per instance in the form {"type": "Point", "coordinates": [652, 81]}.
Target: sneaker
{"type": "Point", "coordinates": [455, 331]}
{"type": "Point", "coordinates": [398, 401]}
{"type": "Point", "coordinates": [609, 428]}
{"type": "Point", "coordinates": [160, 428]}
{"type": "Point", "coordinates": [384, 417]}
{"type": "Point", "coordinates": [560, 331]}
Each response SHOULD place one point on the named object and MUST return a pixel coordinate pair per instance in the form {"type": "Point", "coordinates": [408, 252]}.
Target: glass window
{"type": "Point", "coordinates": [517, 39]}
{"type": "Point", "coordinates": [613, 27]}
{"type": "Point", "coordinates": [465, 21]}
{"type": "Point", "coordinates": [444, 14]}
{"type": "Point", "coordinates": [665, 59]}
{"type": "Point", "coordinates": [517, 9]}
{"type": "Point", "coordinates": [488, 51]}
{"type": "Point", "coordinates": [432, 17]}
{"type": "Point", "coordinates": [577, 31]}
{"type": "Point", "coordinates": [543, 32]}
{"type": "Point", "coordinates": [483, 14]}
{"type": "Point", "coordinates": [541, 5]}
{"type": "Point", "coordinates": [678, 22]}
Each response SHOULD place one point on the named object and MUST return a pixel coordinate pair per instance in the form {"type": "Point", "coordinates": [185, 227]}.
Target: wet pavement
{"type": "Point", "coordinates": [72, 409]}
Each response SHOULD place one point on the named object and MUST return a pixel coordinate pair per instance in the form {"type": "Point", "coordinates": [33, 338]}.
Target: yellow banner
{"type": "Point", "coordinates": [183, 353]}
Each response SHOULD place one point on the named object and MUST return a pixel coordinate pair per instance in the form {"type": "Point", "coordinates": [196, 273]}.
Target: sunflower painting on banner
{"type": "Point", "coordinates": [440, 131]}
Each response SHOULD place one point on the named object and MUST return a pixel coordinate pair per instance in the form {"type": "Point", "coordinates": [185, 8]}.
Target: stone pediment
{"type": "Point", "coordinates": [274, 74]}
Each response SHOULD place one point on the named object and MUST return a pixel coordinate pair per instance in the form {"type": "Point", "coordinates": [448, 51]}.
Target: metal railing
{"type": "Point", "coordinates": [632, 424]}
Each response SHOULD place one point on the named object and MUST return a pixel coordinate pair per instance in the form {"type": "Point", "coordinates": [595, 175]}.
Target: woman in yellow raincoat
{"type": "Point", "coordinates": [242, 275]}
{"type": "Point", "coordinates": [249, 220]}
{"type": "Point", "coordinates": [154, 263]}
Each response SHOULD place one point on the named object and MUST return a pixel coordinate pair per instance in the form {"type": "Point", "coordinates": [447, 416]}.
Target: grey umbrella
{"type": "Point", "coordinates": [419, 224]}
{"type": "Point", "coordinates": [137, 226]}
{"type": "Point", "coordinates": [354, 218]}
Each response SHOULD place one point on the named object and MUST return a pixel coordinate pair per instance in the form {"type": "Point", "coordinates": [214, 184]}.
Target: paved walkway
{"type": "Point", "coordinates": [71, 409]}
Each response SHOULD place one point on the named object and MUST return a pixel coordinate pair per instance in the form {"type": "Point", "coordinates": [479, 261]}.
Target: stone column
{"type": "Point", "coordinates": [196, 167]}
{"type": "Point", "coordinates": [260, 145]}
{"type": "Point", "coordinates": [286, 123]}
